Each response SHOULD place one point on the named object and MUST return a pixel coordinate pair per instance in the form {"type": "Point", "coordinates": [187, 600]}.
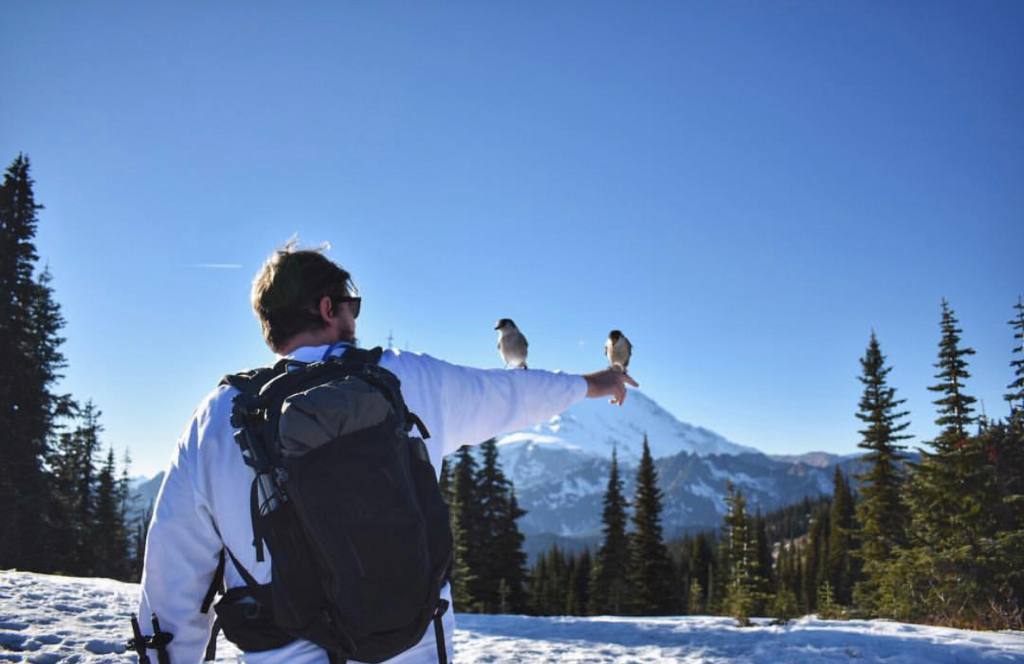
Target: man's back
{"type": "Point", "coordinates": [204, 503]}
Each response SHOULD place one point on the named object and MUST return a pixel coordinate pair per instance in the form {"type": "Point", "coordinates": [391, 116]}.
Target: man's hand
{"type": "Point", "coordinates": [608, 383]}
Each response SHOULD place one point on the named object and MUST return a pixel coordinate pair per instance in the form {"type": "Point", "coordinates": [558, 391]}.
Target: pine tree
{"type": "Point", "coordinates": [650, 570]}
{"type": "Point", "coordinates": [739, 559]}
{"type": "Point", "coordinates": [30, 362]}
{"type": "Point", "coordinates": [955, 406]}
{"type": "Point", "coordinates": [815, 555]}
{"type": "Point", "coordinates": [944, 575]}
{"type": "Point", "coordinates": [840, 568]}
{"type": "Point", "coordinates": [702, 565]}
{"type": "Point", "coordinates": [785, 603]}
{"type": "Point", "coordinates": [498, 541]}
{"type": "Point", "coordinates": [512, 561]}
{"type": "Point", "coordinates": [538, 587]}
{"type": "Point", "coordinates": [72, 463]}
{"type": "Point", "coordinates": [466, 525]}
{"type": "Point", "coordinates": [608, 590]}
{"type": "Point", "coordinates": [579, 589]}
{"type": "Point", "coordinates": [109, 537]}
{"type": "Point", "coordinates": [1015, 396]}
{"type": "Point", "coordinates": [762, 564]}
{"type": "Point", "coordinates": [881, 512]}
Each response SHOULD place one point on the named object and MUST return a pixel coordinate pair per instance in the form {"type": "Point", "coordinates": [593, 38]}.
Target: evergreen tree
{"type": "Point", "coordinates": [1015, 396]}
{"type": "Point", "coordinates": [815, 555]}
{"type": "Point", "coordinates": [512, 561]}
{"type": "Point", "coordinates": [650, 570]}
{"type": "Point", "coordinates": [840, 569]}
{"type": "Point", "coordinates": [785, 603]}
{"type": "Point", "coordinates": [739, 559]}
{"type": "Point", "coordinates": [694, 598]}
{"type": "Point", "coordinates": [72, 463]}
{"type": "Point", "coordinates": [444, 482]}
{"type": "Point", "coordinates": [944, 576]}
{"type": "Point", "coordinates": [466, 526]}
{"type": "Point", "coordinates": [702, 570]}
{"type": "Point", "coordinates": [30, 362]}
{"type": "Point", "coordinates": [608, 590]}
{"type": "Point", "coordinates": [881, 512]}
{"type": "Point", "coordinates": [537, 603]}
{"type": "Point", "coordinates": [762, 564]}
{"type": "Point", "coordinates": [579, 590]}
{"type": "Point", "coordinates": [109, 537]}
{"type": "Point", "coordinates": [498, 541]}
{"type": "Point", "coordinates": [955, 405]}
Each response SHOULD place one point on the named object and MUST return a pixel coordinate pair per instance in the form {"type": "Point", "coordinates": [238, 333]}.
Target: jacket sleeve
{"type": "Point", "coordinates": [182, 551]}
{"type": "Point", "coordinates": [478, 404]}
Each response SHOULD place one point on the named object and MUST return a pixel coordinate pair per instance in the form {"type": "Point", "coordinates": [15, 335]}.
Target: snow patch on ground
{"type": "Point", "coordinates": [52, 619]}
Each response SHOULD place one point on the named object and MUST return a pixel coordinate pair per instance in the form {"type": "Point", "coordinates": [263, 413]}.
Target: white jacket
{"type": "Point", "coordinates": [204, 501]}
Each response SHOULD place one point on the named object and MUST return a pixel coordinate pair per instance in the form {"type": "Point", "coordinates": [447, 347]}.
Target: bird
{"type": "Point", "coordinates": [511, 344]}
{"type": "Point", "coordinates": [618, 350]}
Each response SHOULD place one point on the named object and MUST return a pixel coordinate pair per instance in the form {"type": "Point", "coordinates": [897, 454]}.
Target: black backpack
{"type": "Point", "coordinates": [348, 504]}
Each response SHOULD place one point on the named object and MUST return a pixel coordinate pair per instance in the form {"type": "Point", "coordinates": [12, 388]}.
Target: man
{"type": "Point", "coordinates": [307, 310]}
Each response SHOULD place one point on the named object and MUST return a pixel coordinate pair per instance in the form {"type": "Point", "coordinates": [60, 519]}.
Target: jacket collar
{"type": "Point", "coordinates": [315, 353]}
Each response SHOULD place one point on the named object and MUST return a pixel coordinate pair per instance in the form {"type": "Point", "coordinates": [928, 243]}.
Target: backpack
{"type": "Point", "coordinates": [347, 502]}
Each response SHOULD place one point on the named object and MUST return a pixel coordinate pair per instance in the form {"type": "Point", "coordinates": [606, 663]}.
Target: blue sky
{"type": "Point", "coordinates": [746, 189]}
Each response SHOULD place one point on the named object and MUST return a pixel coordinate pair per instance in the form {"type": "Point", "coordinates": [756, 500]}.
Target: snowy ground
{"type": "Point", "coordinates": [51, 619]}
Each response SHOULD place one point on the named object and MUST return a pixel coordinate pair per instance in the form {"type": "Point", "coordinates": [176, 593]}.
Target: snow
{"type": "Point", "coordinates": [51, 619]}
{"type": "Point", "coordinates": [741, 480]}
{"type": "Point", "coordinates": [702, 489]}
{"type": "Point", "coordinates": [593, 428]}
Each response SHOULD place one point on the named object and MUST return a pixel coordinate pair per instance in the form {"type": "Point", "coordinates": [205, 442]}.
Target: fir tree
{"type": "Point", "coordinates": [739, 559]}
{"type": "Point", "coordinates": [763, 564]}
{"type": "Point", "coordinates": [608, 590]}
{"type": "Point", "coordinates": [72, 464]}
{"type": "Point", "coordinates": [815, 555]}
{"type": "Point", "coordinates": [109, 537]}
{"type": "Point", "coordinates": [499, 554]}
{"type": "Point", "coordinates": [944, 575]}
{"type": "Point", "coordinates": [466, 526]}
{"type": "Point", "coordinates": [840, 569]}
{"type": "Point", "coordinates": [650, 569]}
{"type": "Point", "coordinates": [30, 362]}
{"type": "Point", "coordinates": [881, 512]}
{"type": "Point", "coordinates": [511, 564]}
{"type": "Point", "coordinates": [1015, 396]}
{"type": "Point", "coordinates": [955, 405]}
{"type": "Point", "coordinates": [702, 565]}
{"type": "Point", "coordinates": [579, 588]}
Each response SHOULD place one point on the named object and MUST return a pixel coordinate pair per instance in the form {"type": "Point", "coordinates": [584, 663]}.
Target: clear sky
{"type": "Point", "coordinates": [746, 189]}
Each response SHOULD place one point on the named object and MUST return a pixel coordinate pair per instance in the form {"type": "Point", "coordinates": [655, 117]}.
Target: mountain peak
{"type": "Point", "coordinates": [594, 427]}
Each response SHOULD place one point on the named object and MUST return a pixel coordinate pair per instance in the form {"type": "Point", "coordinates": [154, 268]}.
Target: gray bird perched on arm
{"type": "Point", "coordinates": [511, 344]}
{"type": "Point", "coordinates": [618, 350]}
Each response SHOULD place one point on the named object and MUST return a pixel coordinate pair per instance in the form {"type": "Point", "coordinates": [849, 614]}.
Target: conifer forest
{"type": "Point", "coordinates": [933, 536]}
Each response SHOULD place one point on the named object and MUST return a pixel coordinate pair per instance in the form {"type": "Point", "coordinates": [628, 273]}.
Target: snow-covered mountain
{"type": "Point", "coordinates": [560, 468]}
{"type": "Point", "coordinates": [593, 427]}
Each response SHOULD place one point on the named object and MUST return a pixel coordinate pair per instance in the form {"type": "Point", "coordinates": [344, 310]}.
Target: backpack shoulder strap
{"type": "Point", "coordinates": [252, 381]}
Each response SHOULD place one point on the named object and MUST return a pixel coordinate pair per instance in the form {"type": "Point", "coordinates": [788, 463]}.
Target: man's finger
{"type": "Point", "coordinates": [626, 378]}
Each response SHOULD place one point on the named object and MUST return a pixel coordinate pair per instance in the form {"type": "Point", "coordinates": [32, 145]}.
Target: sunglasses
{"type": "Point", "coordinates": [353, 304]}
